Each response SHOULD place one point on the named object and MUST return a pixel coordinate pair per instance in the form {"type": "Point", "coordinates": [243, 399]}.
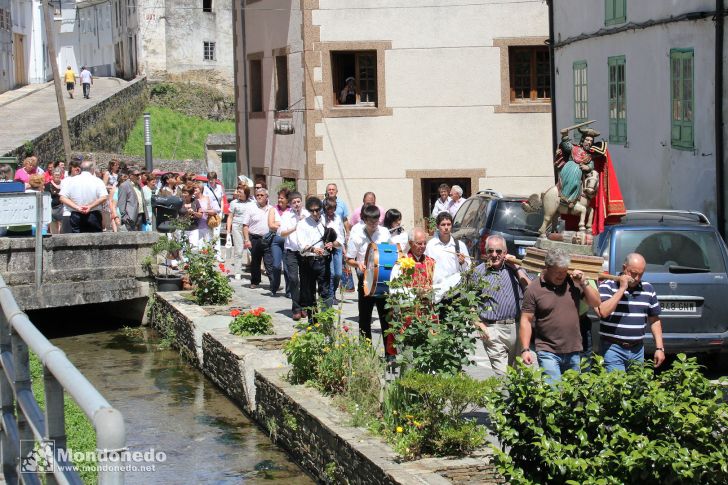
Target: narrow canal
{"type": "Point", "coordinates": [171, 407]}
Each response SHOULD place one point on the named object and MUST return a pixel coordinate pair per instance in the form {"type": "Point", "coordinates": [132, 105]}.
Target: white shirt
{"type": "Point", "coordinates": [446, 261]}
{"type": "Point", "coordinates": [237, 210]}
{"type": "Point", "coordinates": [256, 218]}
{"type": "Point", "coordinates": [289, 220]}
{"type": "Point", "coordinates": [452, 206]}
{"type": "Point", "coordinates": [401, 239]}
{"type": "Point", "coordinates": [359, 241]}
{"type": "Point", "coordinates": [214, 196]}
{"type": "Point", "coordinates": [440, 206]}
{"type": "Point", "coordinates": [83, 189]}
{"type": "Point", "coordinates": [337, 225]}
{"type": "Point", "coordinates": [310, 234]}
{"type": "Point", "coordinates": [85, 76]}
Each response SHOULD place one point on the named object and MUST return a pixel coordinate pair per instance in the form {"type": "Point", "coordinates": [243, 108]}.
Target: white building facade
{"type": "Point", "coordinates": [182, 36]}
{"type": "Point", "coordinates": [646, 72]}
{"type": "Point", "coordinates": [445, 92]}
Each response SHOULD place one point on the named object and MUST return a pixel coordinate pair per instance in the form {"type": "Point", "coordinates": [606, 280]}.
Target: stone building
{"type": "Point", "coordinates": [445, 92]}
{"type": "Point", "coordinates": [182, 37]}
{"type": "Point", "coordinates": [647, 72]}
{"type": "Point", "coordinates": [101, 34]}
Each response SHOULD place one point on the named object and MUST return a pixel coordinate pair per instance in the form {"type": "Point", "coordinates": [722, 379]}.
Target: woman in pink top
{"type": "Point", "coordinates": [30, 167]}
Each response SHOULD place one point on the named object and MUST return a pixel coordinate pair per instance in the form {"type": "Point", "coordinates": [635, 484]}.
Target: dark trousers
{"type": "Point", "coordinates": [136, 224]}
{"type": "Point", "coordinates": [258, 254]}
{"type": "Point", "coordinates": [366, 306]}
{"type": "Point", "coordinates": [66, 225]}
{"type": "Point", "coordinates": [90, 222]}
{"type": "Point", "coordinates": [292, 261]}
{"type": "Point", "coordinates": [315, 271]}
{"type": "Point", "coordinates": [86, 89]}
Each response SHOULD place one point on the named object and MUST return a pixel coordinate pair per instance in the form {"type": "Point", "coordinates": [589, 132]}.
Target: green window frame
{"type": "Point", "coordinates": [682, 98]}
{"type": "Point", "coordinates": [581, 94]}
{"type": "Point", "coordinates": [615, 12]}
{"type": "Point", "coordinates": [617, 100]}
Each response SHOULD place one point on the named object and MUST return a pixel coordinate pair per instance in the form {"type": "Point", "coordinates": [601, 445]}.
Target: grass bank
{"type": "Point", "coordinates": [80, 433]}
{"type": "Point", "coordinates": [175, 136]}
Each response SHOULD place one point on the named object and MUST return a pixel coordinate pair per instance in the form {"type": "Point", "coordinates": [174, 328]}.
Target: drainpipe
{"type": "Point", "coordinates": [241, 115]}
{"type": "Point", "coordinates": [719, 146]}
{"type": "Point", "coordinates": [552, 68]}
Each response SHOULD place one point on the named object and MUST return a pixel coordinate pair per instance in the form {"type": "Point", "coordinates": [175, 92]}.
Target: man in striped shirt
{"type": "Point", "coordinates": [626, 307]}
{"type": "Point", "coordinates": [500, 309]}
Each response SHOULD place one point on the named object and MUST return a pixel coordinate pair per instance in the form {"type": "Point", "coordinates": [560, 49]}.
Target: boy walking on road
{"type": "Point", "coordinates": [86, 81]}
{"type": "Point", "coordinates": [70, 78]}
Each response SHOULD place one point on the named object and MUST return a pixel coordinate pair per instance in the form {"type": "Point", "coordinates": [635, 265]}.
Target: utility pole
{"type": "Point", "coordinates": [48, 21]}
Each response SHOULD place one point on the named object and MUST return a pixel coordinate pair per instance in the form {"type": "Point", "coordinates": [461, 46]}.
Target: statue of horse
{"type": "Point", "coordinates": [553, 205]}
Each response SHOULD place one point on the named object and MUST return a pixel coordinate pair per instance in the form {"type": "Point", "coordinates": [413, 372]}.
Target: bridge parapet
{"type": "Point", "coordinates": [78, 269]}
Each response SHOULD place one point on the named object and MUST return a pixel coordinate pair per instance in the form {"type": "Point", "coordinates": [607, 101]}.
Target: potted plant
{"type": "Point", "coordinates": [168, 246]}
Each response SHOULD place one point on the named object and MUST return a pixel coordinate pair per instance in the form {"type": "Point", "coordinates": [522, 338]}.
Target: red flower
{"type": "Point", "coordinates": [234, 313]}
{"type": "Point", "coordinates": [346, 329]}
{"type": "Point", "coordinates": [222, 267]}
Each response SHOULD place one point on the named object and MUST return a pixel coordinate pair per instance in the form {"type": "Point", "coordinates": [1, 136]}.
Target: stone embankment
{"type": "Point", "coordinates": [309, 426]}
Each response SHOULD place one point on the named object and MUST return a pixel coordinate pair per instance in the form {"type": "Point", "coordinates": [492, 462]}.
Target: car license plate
{"type": "Point", "coordinates": [521, 251]}
{"type": "Point", "coordinates": [678, 306]}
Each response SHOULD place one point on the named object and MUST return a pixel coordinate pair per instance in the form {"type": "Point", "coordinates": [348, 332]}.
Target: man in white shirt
{"type": "Point", "coordinates": [255, 226]}
{"type": "Point", "coordinates": [450, 259]}
{"type": "Point", "coordinates": [287, 229]}
{"type": "Point", "coordinates": [332, 220]}
{"type": "Point", "coordinates": [315, 269]}
{"type": "Point", "coordinates": [457, 200]}
{"type": "Point", "coordinates": [214, 191]}
{"type": "Point", "coordinates": [86, 81]}
{"type": "Point", "coordinates": [84, 196]}
{"type": "Point", "coordinates": [443, 201]}
{"type": "Point", "coordinates": [360, 236]}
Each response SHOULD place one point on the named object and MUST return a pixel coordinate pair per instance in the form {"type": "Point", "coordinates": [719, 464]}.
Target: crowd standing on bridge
{"type": "Point", "coordinates": [317, 246]}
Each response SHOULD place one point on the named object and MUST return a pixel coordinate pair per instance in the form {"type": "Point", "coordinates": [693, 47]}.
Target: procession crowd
{"type": "Point", "coordinates": [313, 244]}
{"type": "Point", "coordinates": [309, 246]}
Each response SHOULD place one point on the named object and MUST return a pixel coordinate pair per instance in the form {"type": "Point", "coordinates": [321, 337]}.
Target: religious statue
{"type": "Point", "coordinates": [587, 186]}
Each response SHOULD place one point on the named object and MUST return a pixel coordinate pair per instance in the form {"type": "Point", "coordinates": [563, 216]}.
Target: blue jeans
{"type": "Point", "coordinates": [336, 271]}
{"type": "Point", "coordinates": [554, 365]}
{"type": "Point", "coordinates": [617, 357]}
{"type": "Point", "coordinates": [276, 249]}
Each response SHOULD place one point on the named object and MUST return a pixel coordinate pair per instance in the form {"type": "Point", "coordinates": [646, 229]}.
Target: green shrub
{"type": "Point", "coordinates": [211, 283]}
{"type": "Point", "coordinates": [303, 351]}
{"type": "Point", "coordinates": [599, 427]}
{"type": "Point", "coordinates": [423, 342]}
{"type": "Point", "coordinates": [423, 413]}
{"type": "Point", "coordinates": [252, 322]}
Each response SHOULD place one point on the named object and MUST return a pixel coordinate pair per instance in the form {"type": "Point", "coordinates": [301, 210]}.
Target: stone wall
{"type": "Point", "coordinates": [104, 126]}
{"type": "Point", "coordinates": [78, 269]}
{"type": "Point", "coordinates": [308, 425]}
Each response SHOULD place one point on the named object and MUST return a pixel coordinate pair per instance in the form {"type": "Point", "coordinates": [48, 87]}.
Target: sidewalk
{"type": "Point", "coordinates": [280, 308]}
{"type": "Point", "coordinates": [32, 110]}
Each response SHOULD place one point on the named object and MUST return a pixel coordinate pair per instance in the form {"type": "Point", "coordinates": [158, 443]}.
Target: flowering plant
{"type": "Point", "coordinates": [206, 275]}
{"type": "Point", "coordinates": [251, 322]}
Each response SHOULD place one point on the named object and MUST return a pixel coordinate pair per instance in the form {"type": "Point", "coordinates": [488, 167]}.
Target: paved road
{"type": "Point", "coordinates": [30, 111]}
{"type": "Point", "coordinates": [280, 308]}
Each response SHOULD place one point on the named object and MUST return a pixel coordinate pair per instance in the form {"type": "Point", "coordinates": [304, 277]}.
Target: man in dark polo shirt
{"type": "Point", "coordinates": [500, 310]}
{"type": "Point", "coordinates": [626, 308]}
{"type": "Point", "coordinates": [551, 306]}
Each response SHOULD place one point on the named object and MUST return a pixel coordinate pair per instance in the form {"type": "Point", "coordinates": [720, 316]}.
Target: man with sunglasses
{"type": "Point", "coordinates": [500, 305]}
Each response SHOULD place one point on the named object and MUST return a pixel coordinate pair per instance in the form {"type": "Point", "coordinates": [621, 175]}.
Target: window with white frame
{"type": "Point", "coordinates": [208, 51]}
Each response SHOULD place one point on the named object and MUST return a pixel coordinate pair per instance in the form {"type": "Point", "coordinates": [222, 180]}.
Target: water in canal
{"type": "Point", "coordinates": [171, 407]}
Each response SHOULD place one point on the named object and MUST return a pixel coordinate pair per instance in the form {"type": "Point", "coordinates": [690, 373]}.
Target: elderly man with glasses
{"type": "Point", "coordinates": [500, 306]}
{"type": "Point", "coordinates": [255, 226]}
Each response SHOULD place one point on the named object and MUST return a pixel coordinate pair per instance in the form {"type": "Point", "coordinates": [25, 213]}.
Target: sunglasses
{"type": "Point", "coordinates": [315, 210]}
{"type": "Point", "coordinates": [496, 251]}
{"type": "Point", "coordinates": [258, 186]}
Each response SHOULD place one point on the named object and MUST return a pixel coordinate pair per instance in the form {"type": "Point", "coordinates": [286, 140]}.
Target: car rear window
{"type": "Point", "coordinates": [674, 251]}
{"type": "Point", "coordinates": [509, 216]}
{"type": "Point", "coordinates": [470, 214]}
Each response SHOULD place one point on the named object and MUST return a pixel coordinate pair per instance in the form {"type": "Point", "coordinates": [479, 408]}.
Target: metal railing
{"type": "Point", "coordinates": [25, 428]}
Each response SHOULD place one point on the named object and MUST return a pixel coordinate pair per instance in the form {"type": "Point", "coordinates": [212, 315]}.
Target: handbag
{"type": "Point", "coordinates": [268, 238]}
{"type": "Point", "coordinates": [213, 221]}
